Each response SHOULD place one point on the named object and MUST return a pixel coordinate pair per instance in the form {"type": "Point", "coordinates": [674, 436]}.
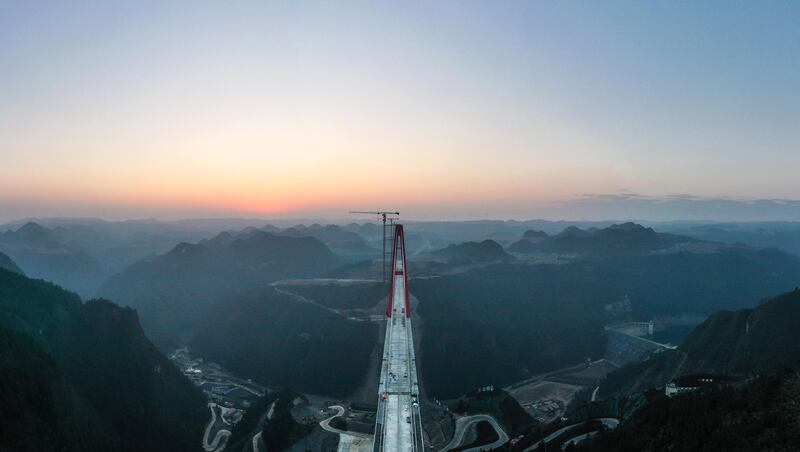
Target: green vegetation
{"type": "Point", "coordinates": [350, 295]}
{"type": "Point", "coordinates": [28, 390]}
{"type": "Point", "coordinates": [84, 377]}
{"type": "Point", "coordinates": [341, 241]}
{"type": "Point", "coordinates": [737, 342]}
{"type": "Point", "coordinates": [762, 415]}
{"type": "Point", "coordinates": [487, 250]}
{"type": "Point", "coordinates": [42, 253]}
{"type": "Point", "coordinates": [501, 323]}
{"type": "Point", "coordinates": [7, 264]}
{"type": "Point", "coordinates": [173, 292]}
{"type": "Point", "coordinates": [278, 340]}
{"type": "Point", "coordinates": [496, 403]}
{"type": "Point", "coordinates": [249, 421]}
{"type": "Point", "coordinates": [486, 434]}
{"type": "Point", "coordinates": [280, 432]}
{"type": "Point", "coordinates": [627, 238]}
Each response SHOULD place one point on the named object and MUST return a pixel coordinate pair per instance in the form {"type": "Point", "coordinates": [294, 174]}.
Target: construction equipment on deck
{"type": "Point", "coordinates": [388, 219]}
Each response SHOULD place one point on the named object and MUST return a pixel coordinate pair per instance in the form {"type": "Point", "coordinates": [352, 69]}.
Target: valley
{"type": "Point", "coordinates": [374, 226]}
{"type": "Point", "coordinates": [552, 318]}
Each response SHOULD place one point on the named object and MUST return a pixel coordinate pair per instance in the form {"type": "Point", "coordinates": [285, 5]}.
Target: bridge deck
{"type": "Point", "coordinates": [398, 426]}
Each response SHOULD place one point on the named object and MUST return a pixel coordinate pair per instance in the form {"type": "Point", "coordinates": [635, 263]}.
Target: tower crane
{"type": "Point", "coordinates": [387, 218]}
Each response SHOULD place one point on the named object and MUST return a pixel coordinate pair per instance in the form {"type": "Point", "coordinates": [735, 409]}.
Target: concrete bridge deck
{"type": "Point", "coordinates": [398, 426]}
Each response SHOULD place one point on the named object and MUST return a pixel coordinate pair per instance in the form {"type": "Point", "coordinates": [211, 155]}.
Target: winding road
{"type": "Point", "coordinates": [221, 436]}
{"type": "Point", "coordinates": [463, 423]}
{"type": "Point", "coordinates": [257, 442]}
{"type": "Point", "coordinates": [326, 424]}
{"type": "Point", "coordinates": [609, 422]}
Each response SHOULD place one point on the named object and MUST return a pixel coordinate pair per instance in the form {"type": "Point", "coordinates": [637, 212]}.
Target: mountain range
{"type": "Point", "coordinates": [7, 264]}
{"type": "Point", "coordinates": [630, 238]}
{"type": "Point", "coordinates": [757, 347]}
{"type": "Point", "coordinates": [278, 339]}
{"type": "Point", "coordinates": [501, 323]}
{"type": "Point", "coordinates": [343, 242]}
{"type": "Point", "coordinates": [44, 253]}
{"type": "Point", "coordinates": [83, 376]}
{"type": "Point", "coordinates": [487, 250]}
{"type": "Point", "coordinates": [741, 342]}
{"type": "Point", "coordinates": [173, 291]}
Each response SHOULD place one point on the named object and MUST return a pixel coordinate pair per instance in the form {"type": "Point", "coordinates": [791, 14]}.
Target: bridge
{"type": "Point", "coordinates": [398, 425]}
{"type": "Point", "coordinates": [627, 342]}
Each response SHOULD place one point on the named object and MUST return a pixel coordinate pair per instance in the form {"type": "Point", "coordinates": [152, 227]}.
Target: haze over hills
{"type": "Point", "coordinates": [7, 264]}
{"type": "Point", "coordinates": [758, 415]}
{"type": "Point", "coordinates": [83, 376]}
{"type": "Point", "coordinates": [198, 204]}
{"type": "Point", "coordinates": [627, 238]}
{"type": "Point", "coordinates": [277, 339]}
{"type": "Point", "coordinates": [80, 254]}
{"type": "Point", "coordinates": [173, 291]}
{"type": "Point", "coordinates": [757, 346]}
{"type": "Point", "coordinates": [741, 342]}
{"type": "Point", "coordinates": [45, 253]}
{"type": "Point", "coordinates": [487, 250]}
{"type": "Point", "coordinates": [343, 242]}
{"type": "Point", "coordinates": [503, 322]}
{"type": "Point", "coordinates": [490, 312]}
{"type": "Point", "coordinates": [492, 308]}
{"type": "Point", "coordinates": [781, 235]}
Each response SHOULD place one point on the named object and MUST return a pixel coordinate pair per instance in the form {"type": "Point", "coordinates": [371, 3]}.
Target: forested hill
{"type": "Point", "coordinates": [44, 253]}
{"type": "Point", "coordinates": [84, 377]}
{"type": "Point", "coordinates": [760, 415]}
{"type": "Point", "coordinates": [487, 250]}
{"type": "Point", "coordinates": [502, 323]}
{"type": "Point", "coordinates": [172, 292]}
{"type": "Point", "coordinates": [340, 240]}
{"type": "Point", "coordinates": [746, 341]}
{"type": "Point", "coordinates": [274, 338]}
{"type": "Point", "coordinates": [7, 264]}
{"type": "Point", "coordinates": [626, 238]}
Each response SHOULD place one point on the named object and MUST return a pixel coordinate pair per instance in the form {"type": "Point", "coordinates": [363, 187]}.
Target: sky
{"type": "Point", "coordinates": [442, 110]}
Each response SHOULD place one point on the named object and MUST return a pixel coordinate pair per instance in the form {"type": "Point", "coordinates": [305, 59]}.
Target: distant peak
{"type": "Point", "coordinates": [32, 228]}
{"type": "Point", "coordinates": [628, 226]}
{"type": "Point", "coordinates": [532, 234]}
{"type": "Point", "coordinates": [573, 231]}
{"type": "Point", "coordinates": [184, 249]}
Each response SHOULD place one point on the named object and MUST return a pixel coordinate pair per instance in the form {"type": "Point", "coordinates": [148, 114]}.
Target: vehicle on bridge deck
{"type": "Point", "coordinates": [398, 425]}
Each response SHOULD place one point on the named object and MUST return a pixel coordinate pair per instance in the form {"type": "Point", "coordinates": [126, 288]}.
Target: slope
{"type": "Point", "coordinates": [173, 291]}
{"type": "Point", "coordinates": [84, 377]}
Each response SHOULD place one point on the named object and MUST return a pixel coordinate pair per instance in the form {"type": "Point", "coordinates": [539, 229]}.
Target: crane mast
{"type": "Point", "coordinates": [388, 219]}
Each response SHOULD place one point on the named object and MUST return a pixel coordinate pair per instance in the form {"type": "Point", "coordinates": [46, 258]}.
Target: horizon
{"type": "Point", "coordinates": [596, 208]}
{"type": "Point", "coordinates": [545, 110]}
{"type": "Point", "coordinates": [307, 221]}
{"type": "Point", "coordinates": [399, 226]}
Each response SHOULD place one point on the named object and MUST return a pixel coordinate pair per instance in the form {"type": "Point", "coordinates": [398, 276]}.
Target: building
{"type": "Point", "coordinates": [694, 382]}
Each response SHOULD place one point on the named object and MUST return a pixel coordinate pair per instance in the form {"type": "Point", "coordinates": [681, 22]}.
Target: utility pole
{"type": "Point", "coordinates": [388, 219]}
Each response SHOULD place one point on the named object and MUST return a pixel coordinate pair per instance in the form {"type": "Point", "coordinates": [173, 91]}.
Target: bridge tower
{"type": "Point", "coordinates": [398, 423]}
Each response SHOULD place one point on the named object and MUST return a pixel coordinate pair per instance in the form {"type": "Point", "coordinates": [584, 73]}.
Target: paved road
{"type": "Point", "coordinates": [578, 439]}
{"type": "Point", "coordinates": [257, 442]}
{"type": "Point", "coordinates": [303, 299]}
{"type": "Point", "coordinates": [220, 438]}
{"type": "Point", "coordinates": [609, 422]}
{"type": "Point", "coordinates": [463, 423]}
{"type": "Point", "coordinates": [326, 424]}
